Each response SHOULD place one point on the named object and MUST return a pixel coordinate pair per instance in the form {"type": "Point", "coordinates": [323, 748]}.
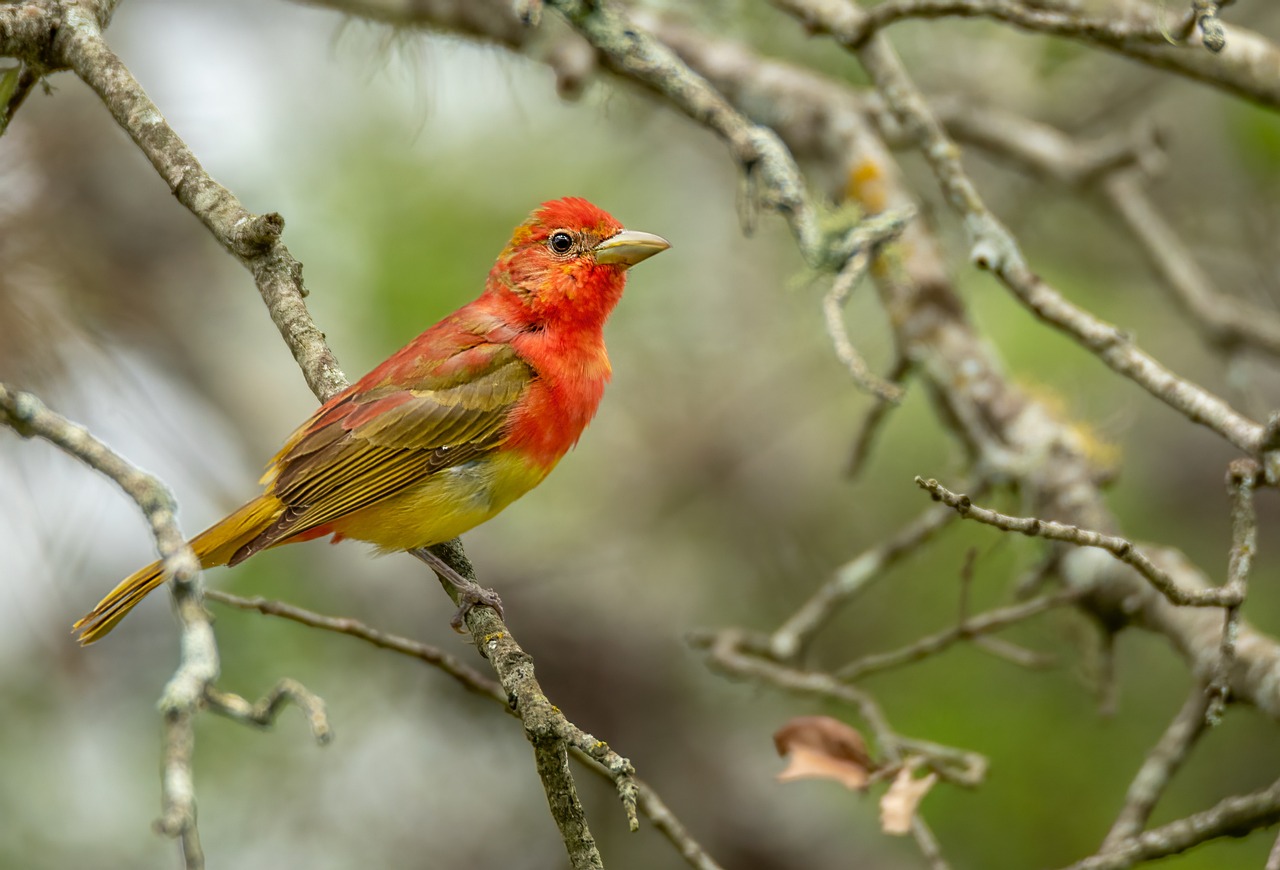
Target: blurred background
{"type": "Point", "coordinates": [710, 490]}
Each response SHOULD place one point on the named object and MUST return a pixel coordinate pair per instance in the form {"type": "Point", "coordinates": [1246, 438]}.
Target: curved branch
{"type": "Point", "coordinates": [254, 240]}
{"type": "Point", "coordinates": [1246, 70]}
{"type": "Point", "coordinates": [192, 685]}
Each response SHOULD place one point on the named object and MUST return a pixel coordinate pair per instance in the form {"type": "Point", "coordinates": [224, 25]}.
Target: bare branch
{"type": "Point", "coordinates": [1242, 476]}
{"type": "Point", "coordinates": [867, 237]}
{"type": "Point", "coordinates": [596, 754]}
{"type": "Point", "coordinates": [254, 240]}
{"type": "Point", "coordinates": [993, 247]}
{"type": "Point", "coordinates": [1117, 165]}
{"type": "Point", "coordinates": [1246, 71]}
{"type": "Point", "coordinates": [1121, 548]}
{"type": "Point", "coordinates": [1231, 817]}
{"type": "Point", "coordinates": [849, 580]}
{"type": "Point", "coordinates": [192, 684]}
{"type": "Point", "coordinates": [263, 712]}
{"type": "Point", "coordinates": [1164, 760]}
{"type": "Point", "coordinates": [468, 677]}
{"type": "Point", "coordinates": [970, 628]}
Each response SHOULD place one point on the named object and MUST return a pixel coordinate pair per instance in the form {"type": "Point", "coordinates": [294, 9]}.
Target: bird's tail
{"type": "Point", "coordinates": [214, 546]}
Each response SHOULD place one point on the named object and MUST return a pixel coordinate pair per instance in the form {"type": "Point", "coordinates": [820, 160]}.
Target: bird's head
{"type": "Point", "coordinates": [567, 263]}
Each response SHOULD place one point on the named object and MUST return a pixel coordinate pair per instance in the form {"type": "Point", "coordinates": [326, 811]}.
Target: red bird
{"type": "Point", "coordinates": [453, 427]}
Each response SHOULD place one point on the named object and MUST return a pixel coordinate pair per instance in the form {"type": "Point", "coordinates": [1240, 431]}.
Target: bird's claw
{"type": "Point", "coordinates": [474, 595]}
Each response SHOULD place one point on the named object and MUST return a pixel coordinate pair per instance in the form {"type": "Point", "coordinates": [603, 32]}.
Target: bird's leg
{"type": "Point", "coordinates": [470, 593]}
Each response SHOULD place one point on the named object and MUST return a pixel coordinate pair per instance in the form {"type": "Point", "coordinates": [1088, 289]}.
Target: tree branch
{"type": "Point", "coordinates": [969, 628]}
{"type": "Point", "coordinates": [192, 685]}
{"type": "Point", "coordinates": [1121, 548]}
{"type": "Point", "coordinates": [1247, 71]}
{"type": "Point", "coordinates": [849, 580]}
{"type": "Point", "coordinates": [993, 247]}
{"type": "Point", "coordinates": [254, 240]}
{"type": "Point", "coordinates": [595, 754]}
{"type": "Point", "coordinates": [1231, 817]}
{"type": "Point", "coordinates": [1162, 762]}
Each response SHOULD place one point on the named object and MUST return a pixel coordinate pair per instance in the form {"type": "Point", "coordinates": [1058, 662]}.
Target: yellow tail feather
{"type": "Point", "coordinates": [214, 546]}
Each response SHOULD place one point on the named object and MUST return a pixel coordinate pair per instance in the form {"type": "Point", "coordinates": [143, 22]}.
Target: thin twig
{"type": "Point", "coordinates": [850, 579]}
{"type": "Point", "coordinates": [1242, 476]}
{"type": "Point", "coordinates": [729, 654]}
{"type": "Point", "coordinates": [198, 667]}
{"type": "Point", "coordinates": [1162, 762]}
{"type": "Point", "coordinates": [468, 677]}
{"type": "Point", "coordinates": [595, 754]}
{"type": "Point", "coordinates": [1230, 817]}
{"type": "Point", "coordinates": [1013, 653]}
{"type": "Point", "coordinates": [970, 628]}
{"type": "Point", "coordinates": [868, 237]}
{"type": "Point", "coordinates": [263, 712]}
{"type": "Point", "coordinates": [1122, 549]}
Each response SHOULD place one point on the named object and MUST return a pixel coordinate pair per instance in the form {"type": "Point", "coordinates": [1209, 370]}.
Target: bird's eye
{"type": "Point", "coordinates": [561, 242]}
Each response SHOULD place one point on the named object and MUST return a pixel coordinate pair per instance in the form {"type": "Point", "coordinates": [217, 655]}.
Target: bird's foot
{"type": "Point", "coordinates": [473, 595]}
{"type": "Point", "coordinates": [470, 593]}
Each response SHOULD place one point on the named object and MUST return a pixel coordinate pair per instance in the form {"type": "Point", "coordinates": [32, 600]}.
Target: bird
{"type": "Point", "coordinates": [453, 427]}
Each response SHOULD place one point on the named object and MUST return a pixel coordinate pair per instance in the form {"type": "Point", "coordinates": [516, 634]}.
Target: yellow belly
{"type": "Point", "coordinates": [444, 505]}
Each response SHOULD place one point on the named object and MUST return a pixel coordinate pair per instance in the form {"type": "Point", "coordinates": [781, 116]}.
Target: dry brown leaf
{"type": "Point", "coordinates": [898, 806]}
{"type": "Point", "coordinates": [820, 747]}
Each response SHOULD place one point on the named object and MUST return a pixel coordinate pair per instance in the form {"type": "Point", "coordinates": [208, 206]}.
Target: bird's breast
{"type": "Point", "coordinates": [560, 401]}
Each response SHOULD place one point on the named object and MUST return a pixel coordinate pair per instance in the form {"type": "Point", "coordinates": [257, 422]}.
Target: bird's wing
{"type": "Point", "coordinates": [367, 445]}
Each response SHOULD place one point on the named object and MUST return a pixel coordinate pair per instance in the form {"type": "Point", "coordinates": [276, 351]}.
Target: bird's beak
{"type": "Point", "coordinates": [629, 247]}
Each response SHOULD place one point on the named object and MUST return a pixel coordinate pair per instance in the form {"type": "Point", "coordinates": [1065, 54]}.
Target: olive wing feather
{"type": "Point", "coordinates": [369, 445]}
